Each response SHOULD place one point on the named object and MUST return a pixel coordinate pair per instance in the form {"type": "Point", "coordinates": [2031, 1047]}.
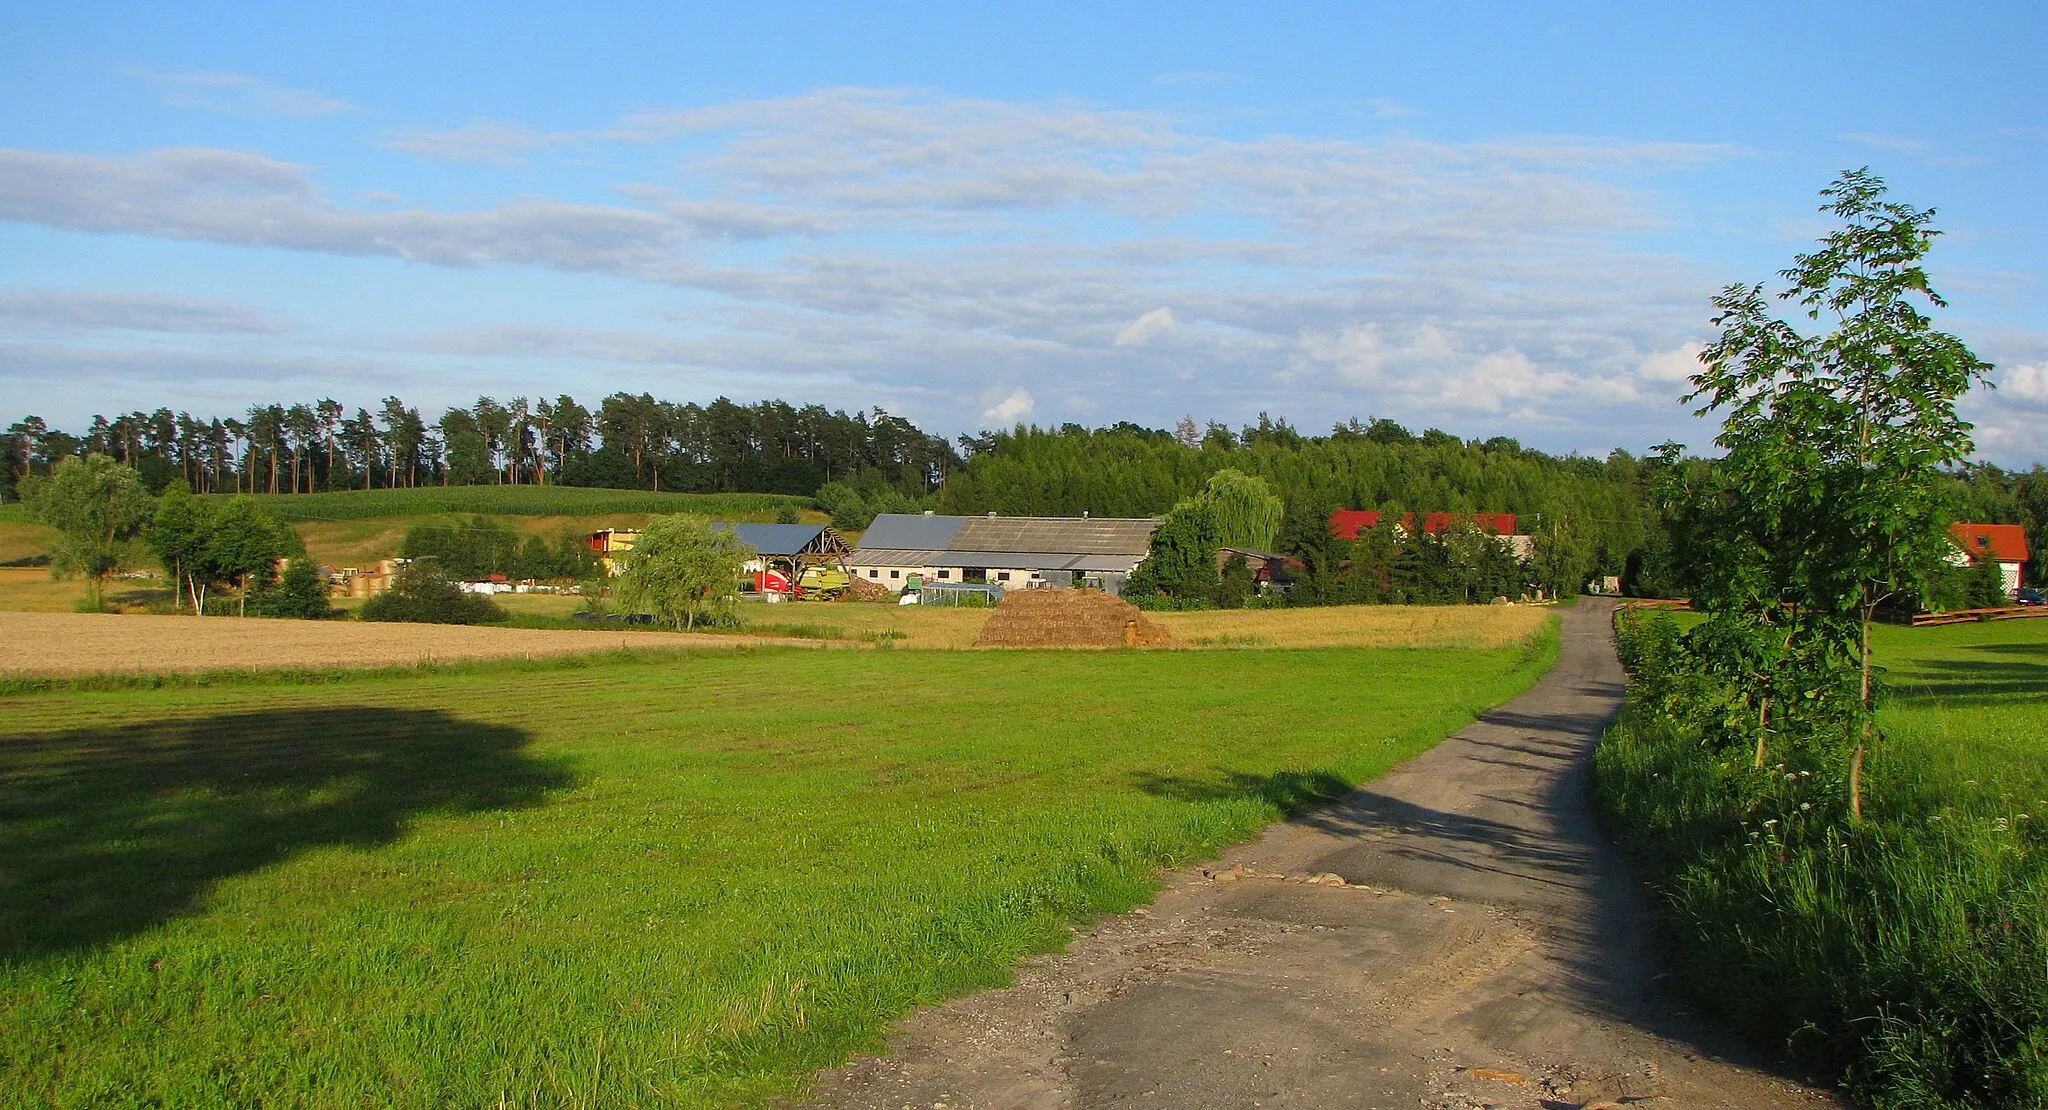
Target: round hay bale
{"type": "Point", "coordinates": [1069, 618]}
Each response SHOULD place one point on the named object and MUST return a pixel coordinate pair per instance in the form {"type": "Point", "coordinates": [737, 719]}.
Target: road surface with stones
{"type": "Point", "coordinates": [1486, 948]}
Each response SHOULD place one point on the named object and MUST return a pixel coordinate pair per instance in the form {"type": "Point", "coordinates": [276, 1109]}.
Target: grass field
{"type": "Point", "coordinates": [1907, 951]}
{"type": "Point", "coordinates": [686, 882]}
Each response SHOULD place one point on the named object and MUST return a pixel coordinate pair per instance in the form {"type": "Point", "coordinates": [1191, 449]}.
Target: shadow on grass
{"type": "Point", "coordinates": [1293, 792]}
{"type": "Point", "coordinates": [2014, 669]}
{"type": "Point", "coordinates": [106, 832]}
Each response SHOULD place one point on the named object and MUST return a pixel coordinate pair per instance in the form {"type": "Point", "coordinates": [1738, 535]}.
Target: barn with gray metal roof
{"type": "Point", "coordinates": [1017, 552]}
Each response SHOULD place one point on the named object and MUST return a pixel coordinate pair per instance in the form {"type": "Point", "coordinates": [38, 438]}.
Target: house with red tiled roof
{"type": "Point", "coordinates": [1346, 524]}
{"type": "Point", "coordinates": [2004, 543]}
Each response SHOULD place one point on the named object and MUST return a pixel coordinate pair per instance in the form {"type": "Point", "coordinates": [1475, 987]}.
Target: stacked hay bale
{"type": "Point", "coordinates": [1069, 618]}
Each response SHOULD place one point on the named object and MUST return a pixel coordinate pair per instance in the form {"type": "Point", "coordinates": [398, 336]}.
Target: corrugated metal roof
{"type": "Point", "coordinates": [893, 557]}
{"type": "Point", "coordinates": [1056, 535]}
{"type": "Point", "coordinates": [776, 539]}
{"type": "Point", "coordinates": [1035, 560]}
{"type": "Point", "coordinates": [908, 531]}
{"type": "Point", "coordinates": [991, 560]}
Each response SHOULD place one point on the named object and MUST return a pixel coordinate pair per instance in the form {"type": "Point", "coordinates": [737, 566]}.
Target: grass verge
{"type": "Point", "coordinates": [1909, 953]}
{"type": "Point", "coordinates": [625, 882]}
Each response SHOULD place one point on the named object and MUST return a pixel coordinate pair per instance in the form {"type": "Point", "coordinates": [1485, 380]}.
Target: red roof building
{"type": "Point", "coordinates": [1348, 523]}
{"type": "Point", "coordinates": [2006, 543]}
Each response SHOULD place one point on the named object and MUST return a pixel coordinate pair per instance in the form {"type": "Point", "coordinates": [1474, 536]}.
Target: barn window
{"type": "Point", "coordinates": [1002, 576]}
{"type": "Point", "coordinates": [945, 574]}
{"type": "Point", "coordinates": [895, 574]}
{"type": "Point", "coordinates": [873, 573]}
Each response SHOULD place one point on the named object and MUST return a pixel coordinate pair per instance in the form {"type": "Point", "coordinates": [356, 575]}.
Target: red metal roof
{"type": "Point", "coordinates": [2006, 543]}
{"type": "Point", "coordinates": [1348, 523]}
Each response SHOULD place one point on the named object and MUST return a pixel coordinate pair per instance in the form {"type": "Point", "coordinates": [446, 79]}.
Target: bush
{"type": "Point", "coordinates": [1904, 953]}
{"type": "Point", "coordinates": [420, 593]}
{"type": "Point", "coordinates": [301, 594]}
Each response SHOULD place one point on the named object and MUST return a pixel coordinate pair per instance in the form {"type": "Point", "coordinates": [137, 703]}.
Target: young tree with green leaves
{"type": "Point", "coordinates": [1836, 444]}
{"type": "Point", "coordinates": [97, 506]}
{"type": "Point", "coordinates": [682, 570]}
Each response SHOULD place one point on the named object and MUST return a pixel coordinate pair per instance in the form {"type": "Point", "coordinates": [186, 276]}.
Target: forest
{"type": "Point", "coordinates": [1590, 516]}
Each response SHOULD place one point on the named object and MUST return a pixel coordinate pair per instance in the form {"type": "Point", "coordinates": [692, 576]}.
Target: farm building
{"type": "Point", "coordinates": [1348, 523]}
{"type": "Point", "coordinates": [1269, 569]}
{"type": "Point", "coordinates": [1018, 552]}
{"type": "Point", "coordinates": [785, 548]}
{"type": "Point", "coordinates": [2005, 543]}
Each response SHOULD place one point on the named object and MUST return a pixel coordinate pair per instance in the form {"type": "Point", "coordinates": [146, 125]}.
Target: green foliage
{"type": "Point", "coordinates": [1236, 585]}
{"type": "Point", "coordinates": [301, 594]}
{"type": "Point", "coordinates": [1182, 563]}
{"type": "Point", "coordinates": [518, 501]}
{"type": "Point", "coordinates": [1986, 588]}
{"type": "Point", "coordinates": [493, 870]}
{"type": "Point", "coordinates": [1243, 510]}
{"type": "Point", "coordinates": [421, 594]}
{"type": "Point", "coordinates": [854, 504]}
{"type": "Point", "coordinates": [466, 549]}
{"type": "Point", "coordinates": [1903, 953]}
{"type": "Point", "coordinates": [1830, 499]}
{"type": "Point", "coordinates": [97, 506]}
{"type": "Point", "coordinates": [683, 571]}
{"type": "Point", "coordinates": [203, 543]}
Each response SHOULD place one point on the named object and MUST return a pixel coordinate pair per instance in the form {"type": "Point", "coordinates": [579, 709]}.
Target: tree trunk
{"type": "Point", "coordinates": [1763, 722]}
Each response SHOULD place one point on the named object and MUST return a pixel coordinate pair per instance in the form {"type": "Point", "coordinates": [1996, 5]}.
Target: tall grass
{"type": "Point", "coordinates": [518, 501]}
{"type": "Point", "coordinates": [1908, 953]}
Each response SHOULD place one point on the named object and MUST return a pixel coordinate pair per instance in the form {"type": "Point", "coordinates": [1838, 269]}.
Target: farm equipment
{"type": "Point", "coordinates": [822, 583]}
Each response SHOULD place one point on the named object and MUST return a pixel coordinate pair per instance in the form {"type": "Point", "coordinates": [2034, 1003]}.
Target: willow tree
{"type": "Point", "coordinates": [1836, 439]}
{"type": "Point", "coordinates": [1243, 510]}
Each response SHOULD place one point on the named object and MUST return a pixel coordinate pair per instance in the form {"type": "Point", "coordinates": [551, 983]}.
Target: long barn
{"type": "Point", "coordinates": [1017, 552]}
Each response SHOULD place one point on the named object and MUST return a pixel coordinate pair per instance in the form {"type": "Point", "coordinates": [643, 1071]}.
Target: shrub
{"type": "Point", "coordinates": [1905, 952]}
{"type": "Point", "coordinates": [420, 593]}
{"type": "Point", "coordinates": [301, 593]}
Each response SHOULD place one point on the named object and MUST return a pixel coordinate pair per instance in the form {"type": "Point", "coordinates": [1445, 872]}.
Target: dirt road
{"type": "Point", "coordinates": [1488, 949]}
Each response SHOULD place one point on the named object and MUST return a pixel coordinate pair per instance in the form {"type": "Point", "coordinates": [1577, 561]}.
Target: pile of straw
{"type": "Point", "coordinates": [1069, 618]}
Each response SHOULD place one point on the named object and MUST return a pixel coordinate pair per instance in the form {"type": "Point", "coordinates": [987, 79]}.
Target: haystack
{"type": "Point", "coordinates": [1068, 618]}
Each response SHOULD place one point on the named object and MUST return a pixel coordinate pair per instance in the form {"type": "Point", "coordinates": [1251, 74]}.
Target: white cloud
{"type": "Point", "coordinates": [237, 94]}
{"type": "Point", "coordinates": [939, 250]}
{"type": "Point", "coordinates": [486, 142]}
{"type": "Point", "coordinates": [1009, 410]}
{"type": "Point", "coordinates": [2025, 382]}
{"type": "Point", "coordinates": [1390, 109]}
{"type": "Point", "coordinates": [1142, 329]}
{"type": "Point", "coordinates": [1678, 364]}
{"type": "Point", "coordinates": [90, 310]}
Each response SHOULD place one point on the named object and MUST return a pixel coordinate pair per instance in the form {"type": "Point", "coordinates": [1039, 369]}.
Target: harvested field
{"type": "Point", "coordinates": [1069, 618]}
{"type": "Point", "coordinates": [1426, 626]}
{"type": "Point", "coordinates": [94, 643]}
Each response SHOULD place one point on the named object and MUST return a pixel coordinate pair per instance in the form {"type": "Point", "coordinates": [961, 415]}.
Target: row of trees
{"type": "Point", "coordinates": [627, 442]}
{"type": "Point", "coordinates": [1588, 515]}
{"type": "Point", "coordinates": [100, 510]}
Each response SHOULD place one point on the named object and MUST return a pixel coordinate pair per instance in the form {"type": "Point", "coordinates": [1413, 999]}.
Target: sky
{"type": "Point", "coordinates": [1494, 219]}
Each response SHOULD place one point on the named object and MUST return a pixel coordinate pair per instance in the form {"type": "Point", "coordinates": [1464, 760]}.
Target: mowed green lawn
{"type": "Point", "coordinates": [1966, 724]}
{"type": "Point", "coordinates": [683, 881]}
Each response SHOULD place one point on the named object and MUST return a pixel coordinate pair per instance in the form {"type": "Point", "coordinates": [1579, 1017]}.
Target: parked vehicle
{"type": "Point", "coordinates": [2028, 595]}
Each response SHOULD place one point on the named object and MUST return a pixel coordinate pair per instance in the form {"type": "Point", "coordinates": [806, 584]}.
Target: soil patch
{"type": "Point", "coordinates": [1069, 618]}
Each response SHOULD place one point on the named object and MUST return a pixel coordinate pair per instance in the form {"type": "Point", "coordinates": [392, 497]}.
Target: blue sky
{"type": "Point", "coordinates": [1499, 220]}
